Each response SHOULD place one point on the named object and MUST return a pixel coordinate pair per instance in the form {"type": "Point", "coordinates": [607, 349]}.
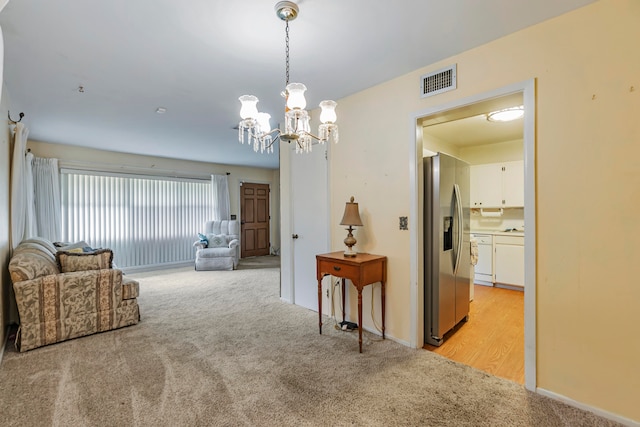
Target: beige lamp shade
{"type": "Point", "coordinates": [351, 218]}
{"type": "Point", "coordinates": [351, 214]}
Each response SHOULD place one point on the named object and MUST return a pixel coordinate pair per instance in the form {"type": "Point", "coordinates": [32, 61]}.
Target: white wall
{"type": "Point", "coordinates": [131, 162]}
{"type": "Point", "coordinates": [432, 145]}
{"type": "Point", "coordinates": [511, 218]}
{"type": "Point", "coordinates": [5, 225]}
{"type": "Point", "coordinates": [506, 151]}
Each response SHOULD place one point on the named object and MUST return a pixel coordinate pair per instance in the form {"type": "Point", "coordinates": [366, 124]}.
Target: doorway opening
{"type": "Point", "coordinates": [457, 129]}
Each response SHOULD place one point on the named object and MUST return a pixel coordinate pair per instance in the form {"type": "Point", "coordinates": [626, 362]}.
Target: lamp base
{"type": "Point", "coordinates": [350, 253]}
{"type": "Point", "coordinates": [350, 241]}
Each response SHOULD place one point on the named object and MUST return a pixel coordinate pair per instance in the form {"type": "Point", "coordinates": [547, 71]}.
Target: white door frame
{"type": "Point", "coordinates": [527, 88]}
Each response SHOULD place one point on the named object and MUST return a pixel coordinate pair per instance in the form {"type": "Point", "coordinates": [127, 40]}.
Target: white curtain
{"type": "Point", "coordinates": [221, 204]}
{"type": "Point", "coordinates": [46, 186]}
{"type": "Point", "coordinates": [22, 209]}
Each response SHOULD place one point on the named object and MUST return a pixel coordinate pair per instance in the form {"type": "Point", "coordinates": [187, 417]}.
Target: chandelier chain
{"type": "Point", "coordinates": [287, 52]}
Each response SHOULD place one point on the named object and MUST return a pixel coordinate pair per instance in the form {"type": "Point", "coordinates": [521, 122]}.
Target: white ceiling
{"type": "Point", "coordinates": [468, 126]}
{"type": "Point", "coordinates": [196, 57]}
{"type": "Point", "coordinates": [476, 130]}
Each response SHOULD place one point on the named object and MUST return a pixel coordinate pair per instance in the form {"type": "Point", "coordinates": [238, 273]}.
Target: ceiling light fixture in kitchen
{"type": "Point", "coordinates": [255, 126]}
{"type": "Point", "coordinates": [506, 115]}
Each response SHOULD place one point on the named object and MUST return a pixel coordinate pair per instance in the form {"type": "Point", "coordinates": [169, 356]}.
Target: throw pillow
{"type": "Point", "coordinates": [203, 238]}
{"type": "Point", "coordinates": [81, 244]}
{"type": "Point", "coordinates": [82, 261]}
{"type": "Point", "coordinates": [218, 241]}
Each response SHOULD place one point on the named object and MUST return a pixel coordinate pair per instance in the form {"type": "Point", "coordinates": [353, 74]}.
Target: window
{"type": "Point", "coordinates": [145, 220]}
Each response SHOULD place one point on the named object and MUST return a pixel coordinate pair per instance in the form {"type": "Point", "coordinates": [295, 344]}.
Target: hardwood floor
{"type": "Point", "coordinates": [493, 338]}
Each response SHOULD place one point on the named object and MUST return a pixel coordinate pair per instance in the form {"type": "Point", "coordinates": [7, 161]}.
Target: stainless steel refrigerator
{"type": "Point", "coordinates": [447, 248]}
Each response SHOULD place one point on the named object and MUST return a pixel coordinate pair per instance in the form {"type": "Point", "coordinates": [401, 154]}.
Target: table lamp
{"type": "Point", "coordinates": [351, 218]}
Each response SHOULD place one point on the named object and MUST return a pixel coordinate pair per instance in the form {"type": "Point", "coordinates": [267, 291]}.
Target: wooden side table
{"type": "Point", "coordinates": [362, 270]}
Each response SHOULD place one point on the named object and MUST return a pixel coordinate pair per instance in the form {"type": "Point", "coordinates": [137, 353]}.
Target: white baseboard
{"type": "Point", "coordinates": [482, 282]}
{"type": "Point", "coordinates": [387, 336]}
{"type": "Point", "coordinates": [153, 267]}
{"type": "Point", "coordinates": [605, 414]}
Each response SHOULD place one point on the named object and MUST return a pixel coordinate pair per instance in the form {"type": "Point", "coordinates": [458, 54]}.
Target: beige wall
{"type": "Point", "coordinates": [71, 155]}
{"type": "Point", "coordinates": [489, 153]}
{"type": "Point", "coordinates": [587, 70]}
{"type": "Point", "coordinates": [432, 145]}
{"type": "Point", "coordinates": [5, 246]}
{"type": "Point", "coordinates": [506, 151]}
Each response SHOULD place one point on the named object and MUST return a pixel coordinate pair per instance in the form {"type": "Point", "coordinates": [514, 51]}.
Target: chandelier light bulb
{"type": "Point", "coordinates": [263, 122]}
{"type": "Point", "coordinates": [328, 113]}
{"type": "Point", "coordinates": [295, 98]}
{"type": "Point", "coordinates": [249, 108]}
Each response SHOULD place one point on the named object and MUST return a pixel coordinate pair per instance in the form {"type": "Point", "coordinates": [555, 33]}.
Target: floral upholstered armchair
{"type": "Point", "coordinates": [219, 246]}
{"type": "Point", "coordinates": [64, 294]}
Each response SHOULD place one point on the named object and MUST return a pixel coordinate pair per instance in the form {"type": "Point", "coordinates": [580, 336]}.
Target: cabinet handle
{"type": "Point", "coordinates": [336, 268]}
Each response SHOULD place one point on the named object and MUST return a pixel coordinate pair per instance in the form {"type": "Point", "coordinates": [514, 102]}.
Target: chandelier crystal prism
{"type": "Point", "coordinates": [255, 127]}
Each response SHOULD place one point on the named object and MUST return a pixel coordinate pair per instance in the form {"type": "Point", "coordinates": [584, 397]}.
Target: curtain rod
{"type": "Point", "coordinates": [108, 168]}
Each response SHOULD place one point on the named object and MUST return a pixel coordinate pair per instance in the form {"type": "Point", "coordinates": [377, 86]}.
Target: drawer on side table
{"type": "Point", "coordinates": [339, 269]}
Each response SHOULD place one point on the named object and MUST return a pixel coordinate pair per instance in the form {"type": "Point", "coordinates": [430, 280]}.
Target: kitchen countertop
{"type": "Point", "coordinates": [499, 232]}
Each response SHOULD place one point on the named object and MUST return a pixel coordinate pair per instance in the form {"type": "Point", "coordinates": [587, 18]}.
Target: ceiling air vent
{"type": "Point", "coordinates": [437, 82]}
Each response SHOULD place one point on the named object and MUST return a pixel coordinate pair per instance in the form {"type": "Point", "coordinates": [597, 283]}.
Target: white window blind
{"type": "Point", "coordinates": [144, 220]}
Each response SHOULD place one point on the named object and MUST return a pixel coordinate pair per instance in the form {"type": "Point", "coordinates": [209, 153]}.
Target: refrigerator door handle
{"type": "Point", "coordinates": [458, 222]}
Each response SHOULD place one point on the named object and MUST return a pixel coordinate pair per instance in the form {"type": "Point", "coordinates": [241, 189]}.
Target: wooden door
{"type": "Point", "coordinates": [254, 220]}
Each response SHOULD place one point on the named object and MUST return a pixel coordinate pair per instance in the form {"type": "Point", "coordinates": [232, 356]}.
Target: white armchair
{"type": "Point", "coordinates": [221, 250]}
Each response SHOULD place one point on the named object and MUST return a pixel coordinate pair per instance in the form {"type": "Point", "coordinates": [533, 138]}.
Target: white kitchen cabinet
{"type": "Point", "coordinates": [497, 185]}
{"type": "Point", "coordinates": [483, 272]}
{"type": "Point", "coordinates": [509, 260]}
{"type": "Point", "coordinates": [486, 185]}
{"type": "Point", "coordinates": [513, 184]}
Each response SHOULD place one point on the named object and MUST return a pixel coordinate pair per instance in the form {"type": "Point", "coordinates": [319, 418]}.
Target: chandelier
{"type": "Point", "coordinates": [255, 127]}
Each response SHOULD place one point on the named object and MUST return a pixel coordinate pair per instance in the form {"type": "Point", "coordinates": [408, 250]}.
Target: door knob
{"type": "Point", "coordinates": [295, 236]}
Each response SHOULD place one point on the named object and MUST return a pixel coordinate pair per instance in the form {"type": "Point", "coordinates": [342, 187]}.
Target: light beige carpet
{"type": "Point", "coordinates": [219, 348]}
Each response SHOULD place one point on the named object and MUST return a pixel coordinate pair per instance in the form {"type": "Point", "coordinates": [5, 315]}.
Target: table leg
{"type": "Point", "coordinates": [343, 296]}
{"type": "Point", "coordinates": [320, 305]}
{"type": "Point", "coordinates": [360, 318]}
{"type": "Point", "coordinates": [382, 296]}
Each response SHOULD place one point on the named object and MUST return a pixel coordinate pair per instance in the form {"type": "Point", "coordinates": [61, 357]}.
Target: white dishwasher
{"type": "Point", "coordinates": [484, 267]}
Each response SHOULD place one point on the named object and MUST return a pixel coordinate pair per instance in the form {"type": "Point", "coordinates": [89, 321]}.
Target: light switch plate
{"type": "Point", "coordinates": [404, 223]}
